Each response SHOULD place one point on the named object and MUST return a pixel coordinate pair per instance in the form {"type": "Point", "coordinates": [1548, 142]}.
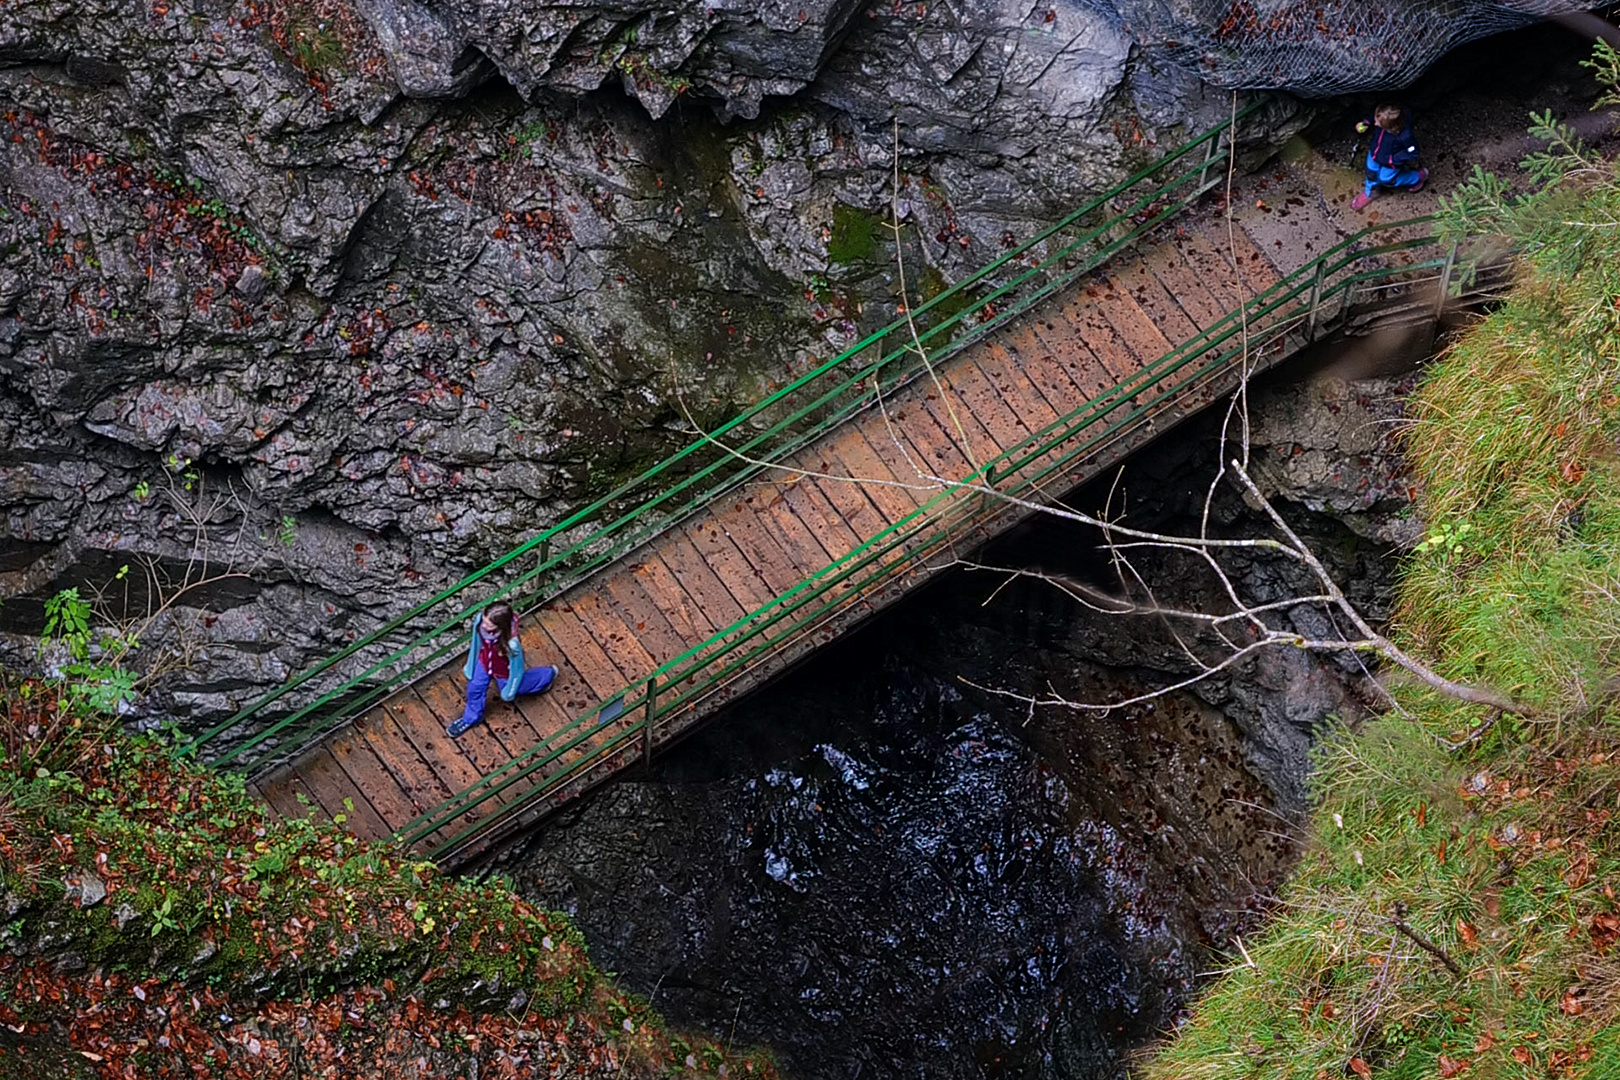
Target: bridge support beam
{"type": "Point", "coordinates": [1316, 301]}
{"type": "Point", "coordinates": [1209, 159]}
{"type": "Point", "coordinates": [647, 724]}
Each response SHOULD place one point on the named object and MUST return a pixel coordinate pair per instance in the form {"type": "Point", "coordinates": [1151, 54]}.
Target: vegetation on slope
{"type": "Point", "coordinates": [156, 921]}
{"type": "Point", "coordinates": [1456, 915]}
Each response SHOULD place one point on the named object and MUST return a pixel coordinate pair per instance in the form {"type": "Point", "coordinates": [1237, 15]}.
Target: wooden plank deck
{"type": "Point", "coordinates": [618, 627]}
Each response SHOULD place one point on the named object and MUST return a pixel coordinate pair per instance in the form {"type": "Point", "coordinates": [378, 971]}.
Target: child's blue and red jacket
{"type": "Point", "coordinates": [491, 656]}
{"type": "Point", "coordinates": [1391, 150]}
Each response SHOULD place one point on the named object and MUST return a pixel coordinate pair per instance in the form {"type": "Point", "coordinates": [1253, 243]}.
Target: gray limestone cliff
{"type": "Point", "coordinates": [307, 308]}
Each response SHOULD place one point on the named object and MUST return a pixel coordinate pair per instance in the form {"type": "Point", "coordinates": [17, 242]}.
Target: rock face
{"type": "Point", "coordinates": [342, 301]}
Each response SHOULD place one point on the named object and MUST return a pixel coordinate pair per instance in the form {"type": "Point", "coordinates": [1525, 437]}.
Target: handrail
{"type": "Point", "coordinates": [810, 407]}
{"type": "Point", "coordinates": [1293, 307]}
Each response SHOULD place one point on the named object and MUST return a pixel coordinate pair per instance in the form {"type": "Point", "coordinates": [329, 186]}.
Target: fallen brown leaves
{"type": "Point", "coordinates": [254, 947]}
{"type": "Point", "coordinates": [169, 1031]}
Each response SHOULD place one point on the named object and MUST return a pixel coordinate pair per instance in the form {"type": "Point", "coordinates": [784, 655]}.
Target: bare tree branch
{"type": "Point", "coordinates": [1471, 694]}
{"type": "Point", "coordinates": [1224, 637]}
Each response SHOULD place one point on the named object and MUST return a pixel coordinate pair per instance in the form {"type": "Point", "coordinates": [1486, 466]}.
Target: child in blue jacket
{"type": "Point", "coordinates": [1391, 156]}
{"type": "Point", "coordinates": [496, 652]}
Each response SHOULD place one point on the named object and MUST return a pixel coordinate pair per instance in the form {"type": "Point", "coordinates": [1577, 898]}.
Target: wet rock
{"type": "Point", "coordinates": [68, 963]}
{"type": "Point", "coordinates": [85, 889]}
{"type": "Point", "coordinates": [281, 299]}
{"type": "Point", "coordinates": [740, 52]}
{"type": "Point", "coordinates": [1328, 448]}
{"type": "Point", "coordinates": [426, 56]}
{"type": "Point", "coordinates": [351, 304]}
{"type": "Point", "coordinates": [251, 283]}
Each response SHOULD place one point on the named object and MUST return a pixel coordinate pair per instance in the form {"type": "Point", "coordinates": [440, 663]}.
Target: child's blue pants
{"type": "Point", "coordinates": [1388, 176]}
{"type": "Point", "coordinates": [534, 680]}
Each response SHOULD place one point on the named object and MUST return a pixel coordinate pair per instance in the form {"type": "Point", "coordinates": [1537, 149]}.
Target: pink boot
{"type": "Point", "coordinates": [1360, 201]}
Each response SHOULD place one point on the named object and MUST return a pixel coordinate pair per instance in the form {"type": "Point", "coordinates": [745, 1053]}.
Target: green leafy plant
{"type": "Point", "coordinates": [1572, 201]}
{"type": "Point", "coordinates": [163, 917]}
{"type": "Point", "coordinates": [525, 137]}
{"type": "Point", "coordinates": [101, 683]}
{"type": "Point", "coordinates": [189, 477]}
{"type": "Point", "coordinates": [288, 533]}
{"type": "Point", "coordinates": [1604, 63]}
{"type": "Point", "coordinates": [67, 622]}
{"type": "Point", "coordinates": [1447, 539]}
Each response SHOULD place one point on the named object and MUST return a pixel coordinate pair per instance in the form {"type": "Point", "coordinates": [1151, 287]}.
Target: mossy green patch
{"type": "Point", "coordinates": [854, 235]}
{"type": "Point", "coordinates": [204, 892]}
{"type": "Point", "coordinates": [935, 285]}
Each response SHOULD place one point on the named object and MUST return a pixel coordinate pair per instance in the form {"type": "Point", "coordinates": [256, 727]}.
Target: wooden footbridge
{"type": "Point", "coordinates": [757, 543]}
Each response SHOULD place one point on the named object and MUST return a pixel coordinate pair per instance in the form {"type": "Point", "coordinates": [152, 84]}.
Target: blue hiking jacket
{"type": "Point", "coordinates": [1391, 149]}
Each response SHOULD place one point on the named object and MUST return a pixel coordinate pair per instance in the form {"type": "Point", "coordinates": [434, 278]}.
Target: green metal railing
{"type": "Point", "coordinates": [1378, 262]}
{"type": "Point", "coordinates": [360, 675]}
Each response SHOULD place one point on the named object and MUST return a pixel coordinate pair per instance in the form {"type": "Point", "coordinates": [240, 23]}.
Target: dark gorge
{"type": "Point", "coordinates": [882, 867]}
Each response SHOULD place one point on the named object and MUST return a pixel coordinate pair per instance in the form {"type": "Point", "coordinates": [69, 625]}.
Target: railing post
{"type": "Point", "coordinates": [1445, 282]}
{"type": "Point", "coordinates": [1209, 158]}
{"type": "Point", "coordinates": [1316, 299]}
{"type": "Point", "coordinates": [647, 723]}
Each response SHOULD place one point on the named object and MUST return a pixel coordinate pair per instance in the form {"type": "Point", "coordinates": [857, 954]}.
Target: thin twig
{"type": "Point", "coordinates": [1473, 736]}
{"type": "Point", "coordinates": [1422, 942]}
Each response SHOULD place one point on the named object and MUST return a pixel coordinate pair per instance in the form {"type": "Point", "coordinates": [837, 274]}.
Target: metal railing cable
{"type": "Point", "coordinates": [1298, 307]}
{"type": "Point", "coordinates": [416, 641]}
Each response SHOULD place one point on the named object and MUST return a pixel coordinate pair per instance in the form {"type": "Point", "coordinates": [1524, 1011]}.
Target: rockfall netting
{"type": "Point", "coordinates": [1318, 48]}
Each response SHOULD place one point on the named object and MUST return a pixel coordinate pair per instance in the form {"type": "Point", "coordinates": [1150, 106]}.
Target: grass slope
{"type": "Point", "coordinates": [1503, 855]}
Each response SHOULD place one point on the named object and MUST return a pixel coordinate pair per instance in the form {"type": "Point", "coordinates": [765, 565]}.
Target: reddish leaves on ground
{"type": "Point", "coordinates": [280, 907]}
{"type": "Point", "coordinates": [168, 1031]}
{"type": "Point", "coordinates": [1605, 931]}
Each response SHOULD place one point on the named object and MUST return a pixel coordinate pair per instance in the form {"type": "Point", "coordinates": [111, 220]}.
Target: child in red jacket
{"type": "Point", "coordinates": [496, 652]}
{"type": "Point", "coordinates": [1391, 156]}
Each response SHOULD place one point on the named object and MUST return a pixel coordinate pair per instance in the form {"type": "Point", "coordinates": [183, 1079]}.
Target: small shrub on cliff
{"type": "Point", "coordinates": [323, 38]}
